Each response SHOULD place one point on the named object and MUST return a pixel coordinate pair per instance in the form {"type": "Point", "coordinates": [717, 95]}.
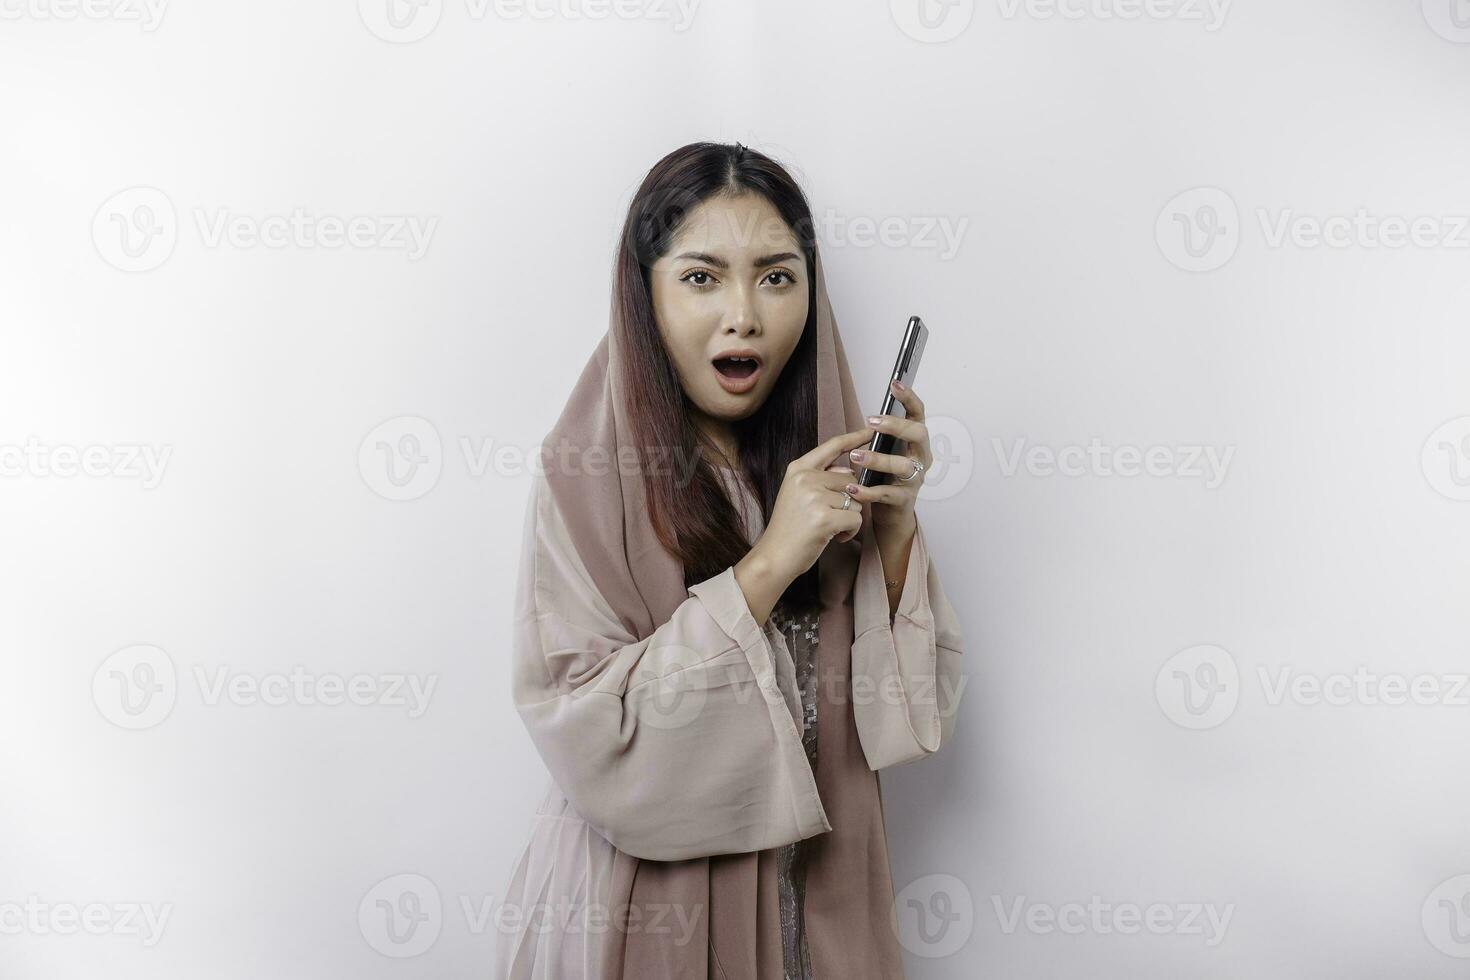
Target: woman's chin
{"type": "Point", "coordinates": [726, 407]}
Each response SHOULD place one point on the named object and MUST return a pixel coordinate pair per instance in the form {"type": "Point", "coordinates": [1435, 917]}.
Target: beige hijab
{"type": "Point", "coordinates": [849, 892]}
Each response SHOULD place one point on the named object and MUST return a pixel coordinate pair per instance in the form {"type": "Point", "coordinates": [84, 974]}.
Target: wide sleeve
{"type": "Point", "coordinates": [679, 745]}
{"type": "Point", "coordinates": [906, 674]}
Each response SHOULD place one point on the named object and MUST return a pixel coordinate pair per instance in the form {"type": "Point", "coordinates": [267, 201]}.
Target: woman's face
{"type": "Point", "coordinates": [733, 281]}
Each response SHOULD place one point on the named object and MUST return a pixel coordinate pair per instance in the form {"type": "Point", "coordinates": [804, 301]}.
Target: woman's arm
{"type": "Point", "coordinates": [895, 545]}
{"type": "Point", "coordinates": [906, 670]}
{"type": "Point", "coordinates": [682, 744]}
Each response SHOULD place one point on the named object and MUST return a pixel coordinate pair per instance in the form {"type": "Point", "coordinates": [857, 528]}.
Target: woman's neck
{"type": "Point", "coordinates": [721, 435]}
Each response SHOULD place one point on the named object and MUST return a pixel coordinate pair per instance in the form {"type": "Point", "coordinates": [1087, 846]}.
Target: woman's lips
{"type": "Point", "coordinates": [737, 386]}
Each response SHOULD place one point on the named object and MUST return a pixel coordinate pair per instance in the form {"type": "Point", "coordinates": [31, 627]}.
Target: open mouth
{"type": "Point", "coordinates": [738, 368]}
{"type": "Point", "coordinates": [737, 374]}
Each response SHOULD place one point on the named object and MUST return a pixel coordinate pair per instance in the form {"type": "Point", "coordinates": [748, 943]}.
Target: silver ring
{"type": "Point", "coordinates": [846, 500]}
{"type": "Point", "coordinates": [918, 468]}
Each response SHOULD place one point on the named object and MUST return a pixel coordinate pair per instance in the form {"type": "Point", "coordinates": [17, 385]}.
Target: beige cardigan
{"type": "Point", "coordinates": [617, 721]}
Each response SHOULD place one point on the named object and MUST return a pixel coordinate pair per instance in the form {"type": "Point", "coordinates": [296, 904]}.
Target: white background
{"type": "Point", "coordinates": [1057, 141]}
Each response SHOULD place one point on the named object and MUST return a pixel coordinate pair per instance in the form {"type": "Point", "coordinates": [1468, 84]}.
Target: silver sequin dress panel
{"type": "Point", "coordinates": [800, 631]}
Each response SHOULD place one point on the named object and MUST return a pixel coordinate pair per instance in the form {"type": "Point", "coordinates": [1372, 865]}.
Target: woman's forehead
{"type": "Point", "coordinates": [740, 230]}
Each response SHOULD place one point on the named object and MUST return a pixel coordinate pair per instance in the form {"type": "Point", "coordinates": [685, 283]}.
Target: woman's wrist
{"type": "Point", "coordinates": [895, 542]}
{"type": "Point", "coordinates": [761, 582]}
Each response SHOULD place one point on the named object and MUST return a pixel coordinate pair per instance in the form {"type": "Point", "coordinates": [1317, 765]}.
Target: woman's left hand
{"type": "Point", "coordinates": [893, 502]}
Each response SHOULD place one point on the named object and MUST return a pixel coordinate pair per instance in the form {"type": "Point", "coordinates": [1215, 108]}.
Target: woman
{"type": "Point", "coordinates": [720, 636]}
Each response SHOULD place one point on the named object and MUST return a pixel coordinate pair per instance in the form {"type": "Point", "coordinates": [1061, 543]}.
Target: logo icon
{"type": "Point", "coordinates": [676, 699]}
{"type": "Point", "coordinates": [954, 458]}
{"type": "Point", "coordinates": [402, 458]}
{"type": "Point", "coordinates": [932, 21]}
{"type": "Point", "coordinates": [401, 915]}
{"type": "Point", "coordinates": [136, 687]}
{"type": "Point", "coordinates": [1199, 230]}
{"type": "Point", "coordinates": [1450, 19]}
{"type": "Point", "coordinates": [1445, 459]}
{"type": "Point", "coordinates": [400, 21]}
{"type": "Point", "coordinates": [1198, 687]}
{"type": "Point", "coordinates": [1446, 917]}
{"type": "Point", "coordinates": [934, 916]}
{"type": "Point", "coordinates": [135, 230]}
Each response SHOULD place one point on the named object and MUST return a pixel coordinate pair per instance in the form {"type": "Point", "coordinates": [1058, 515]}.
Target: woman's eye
{"type": "Point", "coordinates": [782, 272]}
{"type": "Point", "coordinates": [696, 277]}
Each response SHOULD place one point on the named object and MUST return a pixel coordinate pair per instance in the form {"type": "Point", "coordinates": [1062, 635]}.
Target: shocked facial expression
{"type": "Point", "coordinates": [730, 298]}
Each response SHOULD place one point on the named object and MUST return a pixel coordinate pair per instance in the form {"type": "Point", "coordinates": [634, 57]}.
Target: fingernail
{"type": "Point", "coordinates": [897, 385]}
{"type": "Point", "coordinates": [858, 454]}
{"type": "Point", "coordinates": [874, 421]}
{"type": "Point", "coordinates": [852, 489]}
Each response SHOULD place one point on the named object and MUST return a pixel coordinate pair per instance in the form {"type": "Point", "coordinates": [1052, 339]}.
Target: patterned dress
{"type": "Point", "coordinates": [799, 628]}
{"type": "Point", "coordinates": [800, 631]}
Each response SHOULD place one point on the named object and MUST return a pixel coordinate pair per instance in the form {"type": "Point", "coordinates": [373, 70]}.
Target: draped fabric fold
{"type": "Point", "coordinates": [666, 718]}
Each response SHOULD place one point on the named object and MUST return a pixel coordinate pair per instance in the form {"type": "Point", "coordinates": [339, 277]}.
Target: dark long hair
{"type": "Point", "coordinates": [696, 521]}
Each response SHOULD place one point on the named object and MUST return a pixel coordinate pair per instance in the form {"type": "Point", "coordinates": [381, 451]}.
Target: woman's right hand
{"type": "Point", "coordinates": [808, 511]}
{"type": "Point", "coordinates": [806, 516]}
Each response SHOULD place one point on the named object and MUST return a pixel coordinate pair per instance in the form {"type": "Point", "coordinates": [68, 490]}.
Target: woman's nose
{"type": "Point", "coordinates": [741, 317]}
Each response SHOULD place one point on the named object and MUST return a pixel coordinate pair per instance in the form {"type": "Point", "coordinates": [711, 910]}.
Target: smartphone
{"type": "Point", "coordinates": [910, 350]}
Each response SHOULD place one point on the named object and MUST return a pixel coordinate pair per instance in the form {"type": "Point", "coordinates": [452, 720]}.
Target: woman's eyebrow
{"type": "Point", "coordinates": [702, 257]}
{"type": "Point", "coordinates": [722, 264]}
